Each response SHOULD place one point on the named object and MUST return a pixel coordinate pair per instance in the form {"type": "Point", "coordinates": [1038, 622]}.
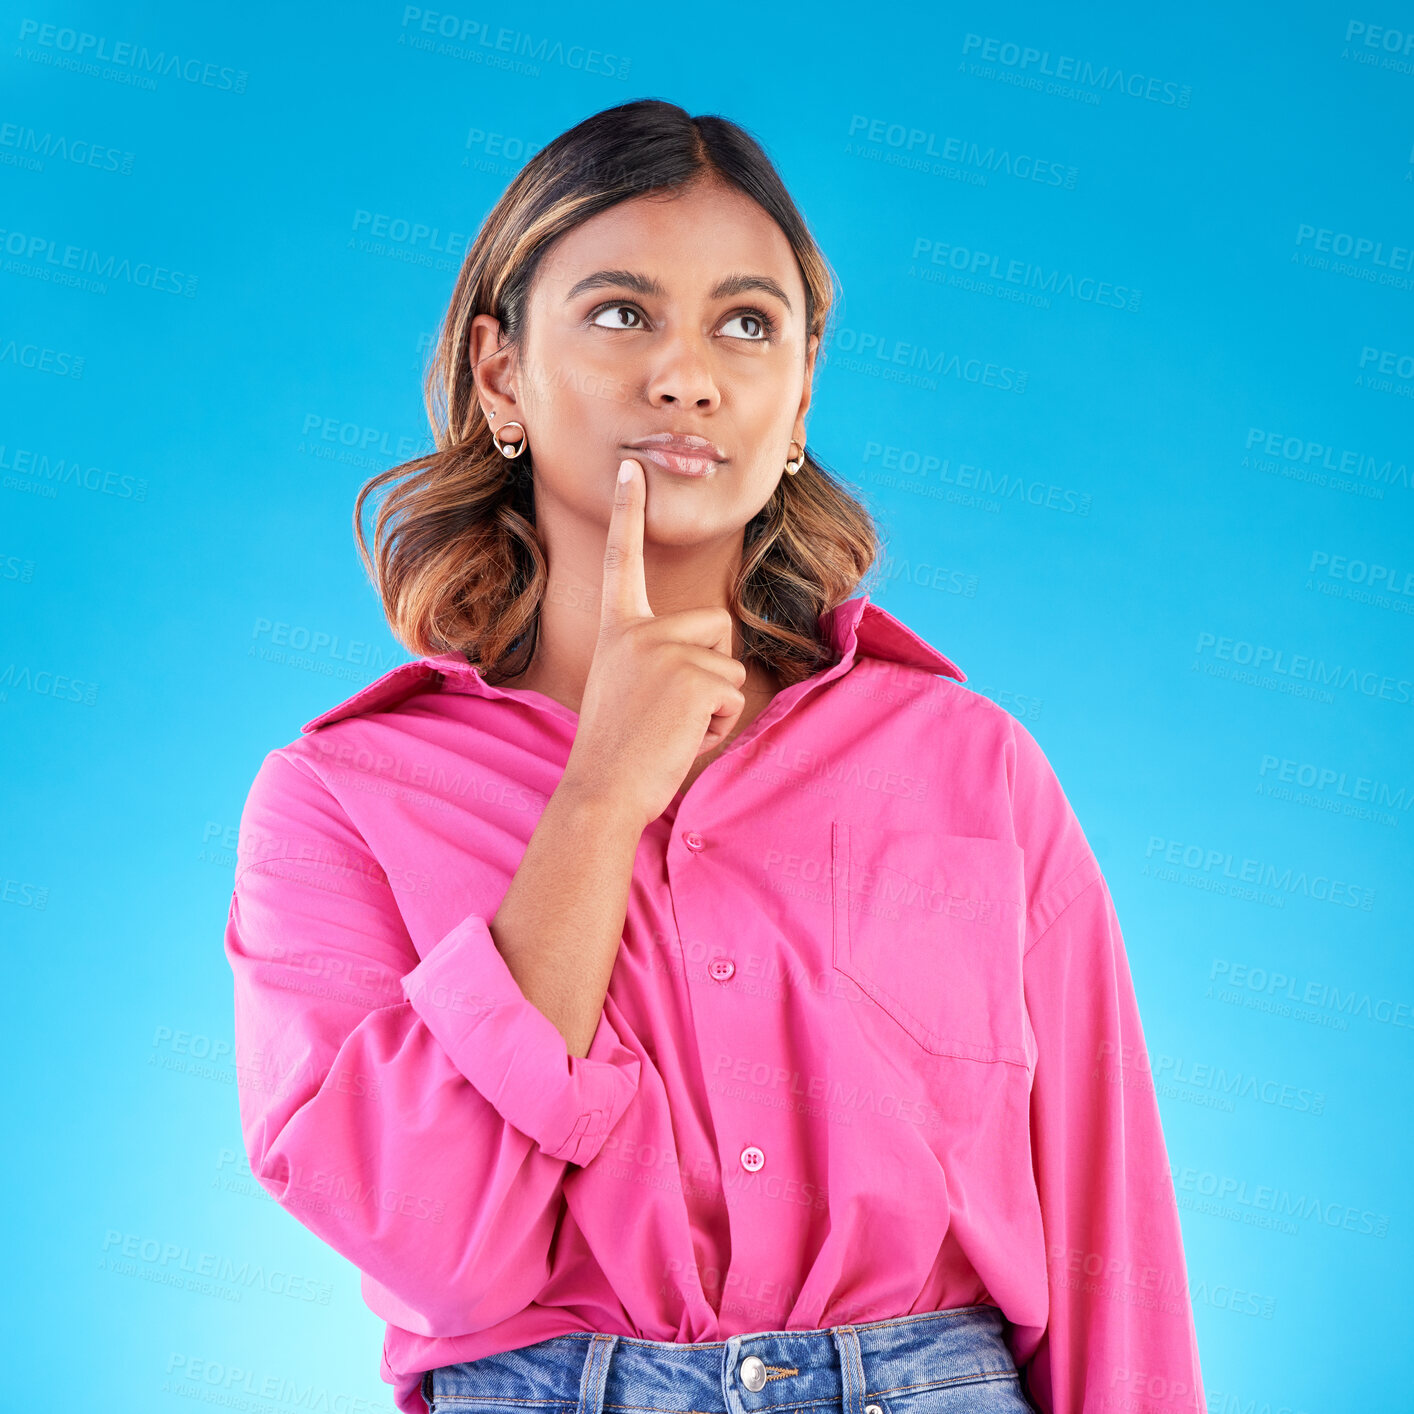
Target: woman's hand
{"type": "Point", "coordinates": [661, 690]}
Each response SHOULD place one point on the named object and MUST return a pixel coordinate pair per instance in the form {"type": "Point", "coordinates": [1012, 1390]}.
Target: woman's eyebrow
{"type": "Point", "coordinates": [641, 284]}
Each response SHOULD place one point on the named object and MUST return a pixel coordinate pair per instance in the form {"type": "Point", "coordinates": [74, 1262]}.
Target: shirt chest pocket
{"type": "Point", "coordinates": [930, 928]}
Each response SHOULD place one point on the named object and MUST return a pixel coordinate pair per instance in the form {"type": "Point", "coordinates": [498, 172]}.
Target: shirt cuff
{"type": "Point", "coordinates": [513, 1053]}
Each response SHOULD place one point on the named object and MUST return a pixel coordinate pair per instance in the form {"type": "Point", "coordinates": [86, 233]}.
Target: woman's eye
{"type": "Point", "coordinates": [616, 321]}
{"type": "Point", "coordinates": [758, 329]}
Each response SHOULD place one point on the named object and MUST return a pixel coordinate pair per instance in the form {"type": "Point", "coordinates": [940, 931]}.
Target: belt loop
{"type": "Point", "coordinates": [851, 1368]}
{"type": "Point", "coordinates": [731, 1349]}
{"type": "Point", "coordinates": [595, 1373]}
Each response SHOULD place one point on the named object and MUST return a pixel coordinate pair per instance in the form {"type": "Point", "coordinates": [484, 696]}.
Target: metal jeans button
{"type": "Point", "coordinates": [753, 1372]}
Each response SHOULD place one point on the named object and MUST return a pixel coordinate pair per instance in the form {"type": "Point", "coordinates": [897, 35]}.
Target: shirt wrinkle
{"type": "Point", "coordinates": [1085, 866]}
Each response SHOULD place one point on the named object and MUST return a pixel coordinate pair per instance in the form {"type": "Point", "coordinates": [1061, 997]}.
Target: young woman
{"type": "Point", "coordinates": [673, 989]}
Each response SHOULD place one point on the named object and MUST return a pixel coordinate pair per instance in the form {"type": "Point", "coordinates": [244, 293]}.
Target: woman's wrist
{"type": "Point", "coordinates": [597, 808]}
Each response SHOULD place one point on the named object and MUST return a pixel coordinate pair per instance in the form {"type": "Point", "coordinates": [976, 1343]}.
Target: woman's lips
{"type": "Point", "coordinates": [683, 463]}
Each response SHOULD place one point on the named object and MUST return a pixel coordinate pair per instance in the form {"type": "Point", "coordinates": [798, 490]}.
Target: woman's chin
{"type": "Point", "coordinates": [685, 527]}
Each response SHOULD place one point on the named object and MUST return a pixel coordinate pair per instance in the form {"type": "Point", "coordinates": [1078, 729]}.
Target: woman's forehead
{"type": "Point", "coordinates": [680, 241]}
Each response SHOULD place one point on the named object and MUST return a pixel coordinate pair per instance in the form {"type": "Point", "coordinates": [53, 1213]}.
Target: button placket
{"type": "Point", "coordinates": [722, 1016]}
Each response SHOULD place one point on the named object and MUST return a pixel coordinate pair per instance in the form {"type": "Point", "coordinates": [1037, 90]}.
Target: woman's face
{"type": "Point", "coordinates": [680, 314]}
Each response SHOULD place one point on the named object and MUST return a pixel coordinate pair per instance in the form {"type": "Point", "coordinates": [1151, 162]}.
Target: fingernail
{"type": "Point", "coordinates": [625, 470]}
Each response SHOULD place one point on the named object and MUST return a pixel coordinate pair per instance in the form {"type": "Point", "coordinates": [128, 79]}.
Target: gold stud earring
{"type": "Point", "coordinates": [794, 465]}
{"type": "Point", "coordinates": [511, 449]}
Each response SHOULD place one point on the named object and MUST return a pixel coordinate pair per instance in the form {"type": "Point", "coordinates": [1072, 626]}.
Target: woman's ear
{"type": "Point", "coordinates": [811, 345]}
{"type": "Point", "coordinates": [493, 364]}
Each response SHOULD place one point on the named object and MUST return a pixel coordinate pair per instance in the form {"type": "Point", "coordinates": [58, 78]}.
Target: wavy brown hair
{"type": "Point", "coordinates": [457, 560]}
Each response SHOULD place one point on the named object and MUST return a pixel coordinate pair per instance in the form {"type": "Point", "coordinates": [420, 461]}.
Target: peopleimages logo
{"type": "Point", "coordinates": [1386, 361]}
{"type": "Point", "coordinates": [928, 150]}
{"type": "Point", "coordinates": [1384, 579]}
{"type": "Point", "coordinates": [1378, 46]}
{"type": "Point", "coordinates": [1223, 864]}
{"type": "Point", "coordinates": [84, 51]}
{"type": "Point", "coordinates": [1343, 243]}
{"type": "Point", "coordinates": [1330, 780]}
{"type": "Point", "coordinates": [880, 355]}
{"type": "Point", "coordinates": [971, 265]}
{"type": "Point", "coordinates": [1278, 664]}
{"type": "Point", "coordinates": [1104, 77]}
{"type": "Point", "coordinates": [1303, 452]}
{"type": "Point", "coordinates": [459, 36]}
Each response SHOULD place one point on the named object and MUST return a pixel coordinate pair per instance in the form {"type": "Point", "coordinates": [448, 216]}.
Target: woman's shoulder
{"type": "Point", "coordinates": [896, 667]}
{"type": "Point", "coordinates": [899, 666]}
{"type": "Point", "coordinates": [297, 783]}
{"type": "Point", "coordinates": [392, 688]}
{"type": "Point", "coordinates": [978, 741]}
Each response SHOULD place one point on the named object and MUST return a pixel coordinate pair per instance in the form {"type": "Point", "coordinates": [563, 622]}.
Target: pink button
{"type": "Point", "coordinates": [752, 1158]}
{"type": "Point", "coordinates": [693, 840]}
{"type": "Point", "coordinates": [721, 968]}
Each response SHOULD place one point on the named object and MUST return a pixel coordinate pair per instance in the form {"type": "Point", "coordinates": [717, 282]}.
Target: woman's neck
{"type": "Point", "coordinates": [568, 630]}
{"type": "Point", "coordinates": [566, 688]}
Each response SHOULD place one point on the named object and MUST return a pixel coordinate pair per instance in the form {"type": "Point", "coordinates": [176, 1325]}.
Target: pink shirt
{"type": "Point", "coordinates": [870, 1047]}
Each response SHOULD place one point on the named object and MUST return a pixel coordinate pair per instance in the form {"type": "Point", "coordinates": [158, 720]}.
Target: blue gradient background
{"type": "Point", "coordinates": [248, 412]}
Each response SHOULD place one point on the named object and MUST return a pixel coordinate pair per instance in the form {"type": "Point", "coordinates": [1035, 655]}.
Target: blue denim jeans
{"type": "Point", "coordinates": [939, 1362]}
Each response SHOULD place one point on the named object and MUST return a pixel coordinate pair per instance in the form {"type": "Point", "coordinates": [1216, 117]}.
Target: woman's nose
{"type": "Point", "coordinates": [681, 375]}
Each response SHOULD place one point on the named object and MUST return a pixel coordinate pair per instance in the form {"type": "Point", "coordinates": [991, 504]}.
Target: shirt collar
{"type": "Point", "coordinates": [869, 629]}
{"type": "Point", "coordinates": [856, 628]}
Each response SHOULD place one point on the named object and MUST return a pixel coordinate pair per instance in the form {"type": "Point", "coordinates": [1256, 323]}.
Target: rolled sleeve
{"type": "Point", "coordinates": [513, 1054]}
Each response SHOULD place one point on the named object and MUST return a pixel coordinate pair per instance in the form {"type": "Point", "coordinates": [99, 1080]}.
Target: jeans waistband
{"type": "Point", "coordinates": [850, 1365]}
